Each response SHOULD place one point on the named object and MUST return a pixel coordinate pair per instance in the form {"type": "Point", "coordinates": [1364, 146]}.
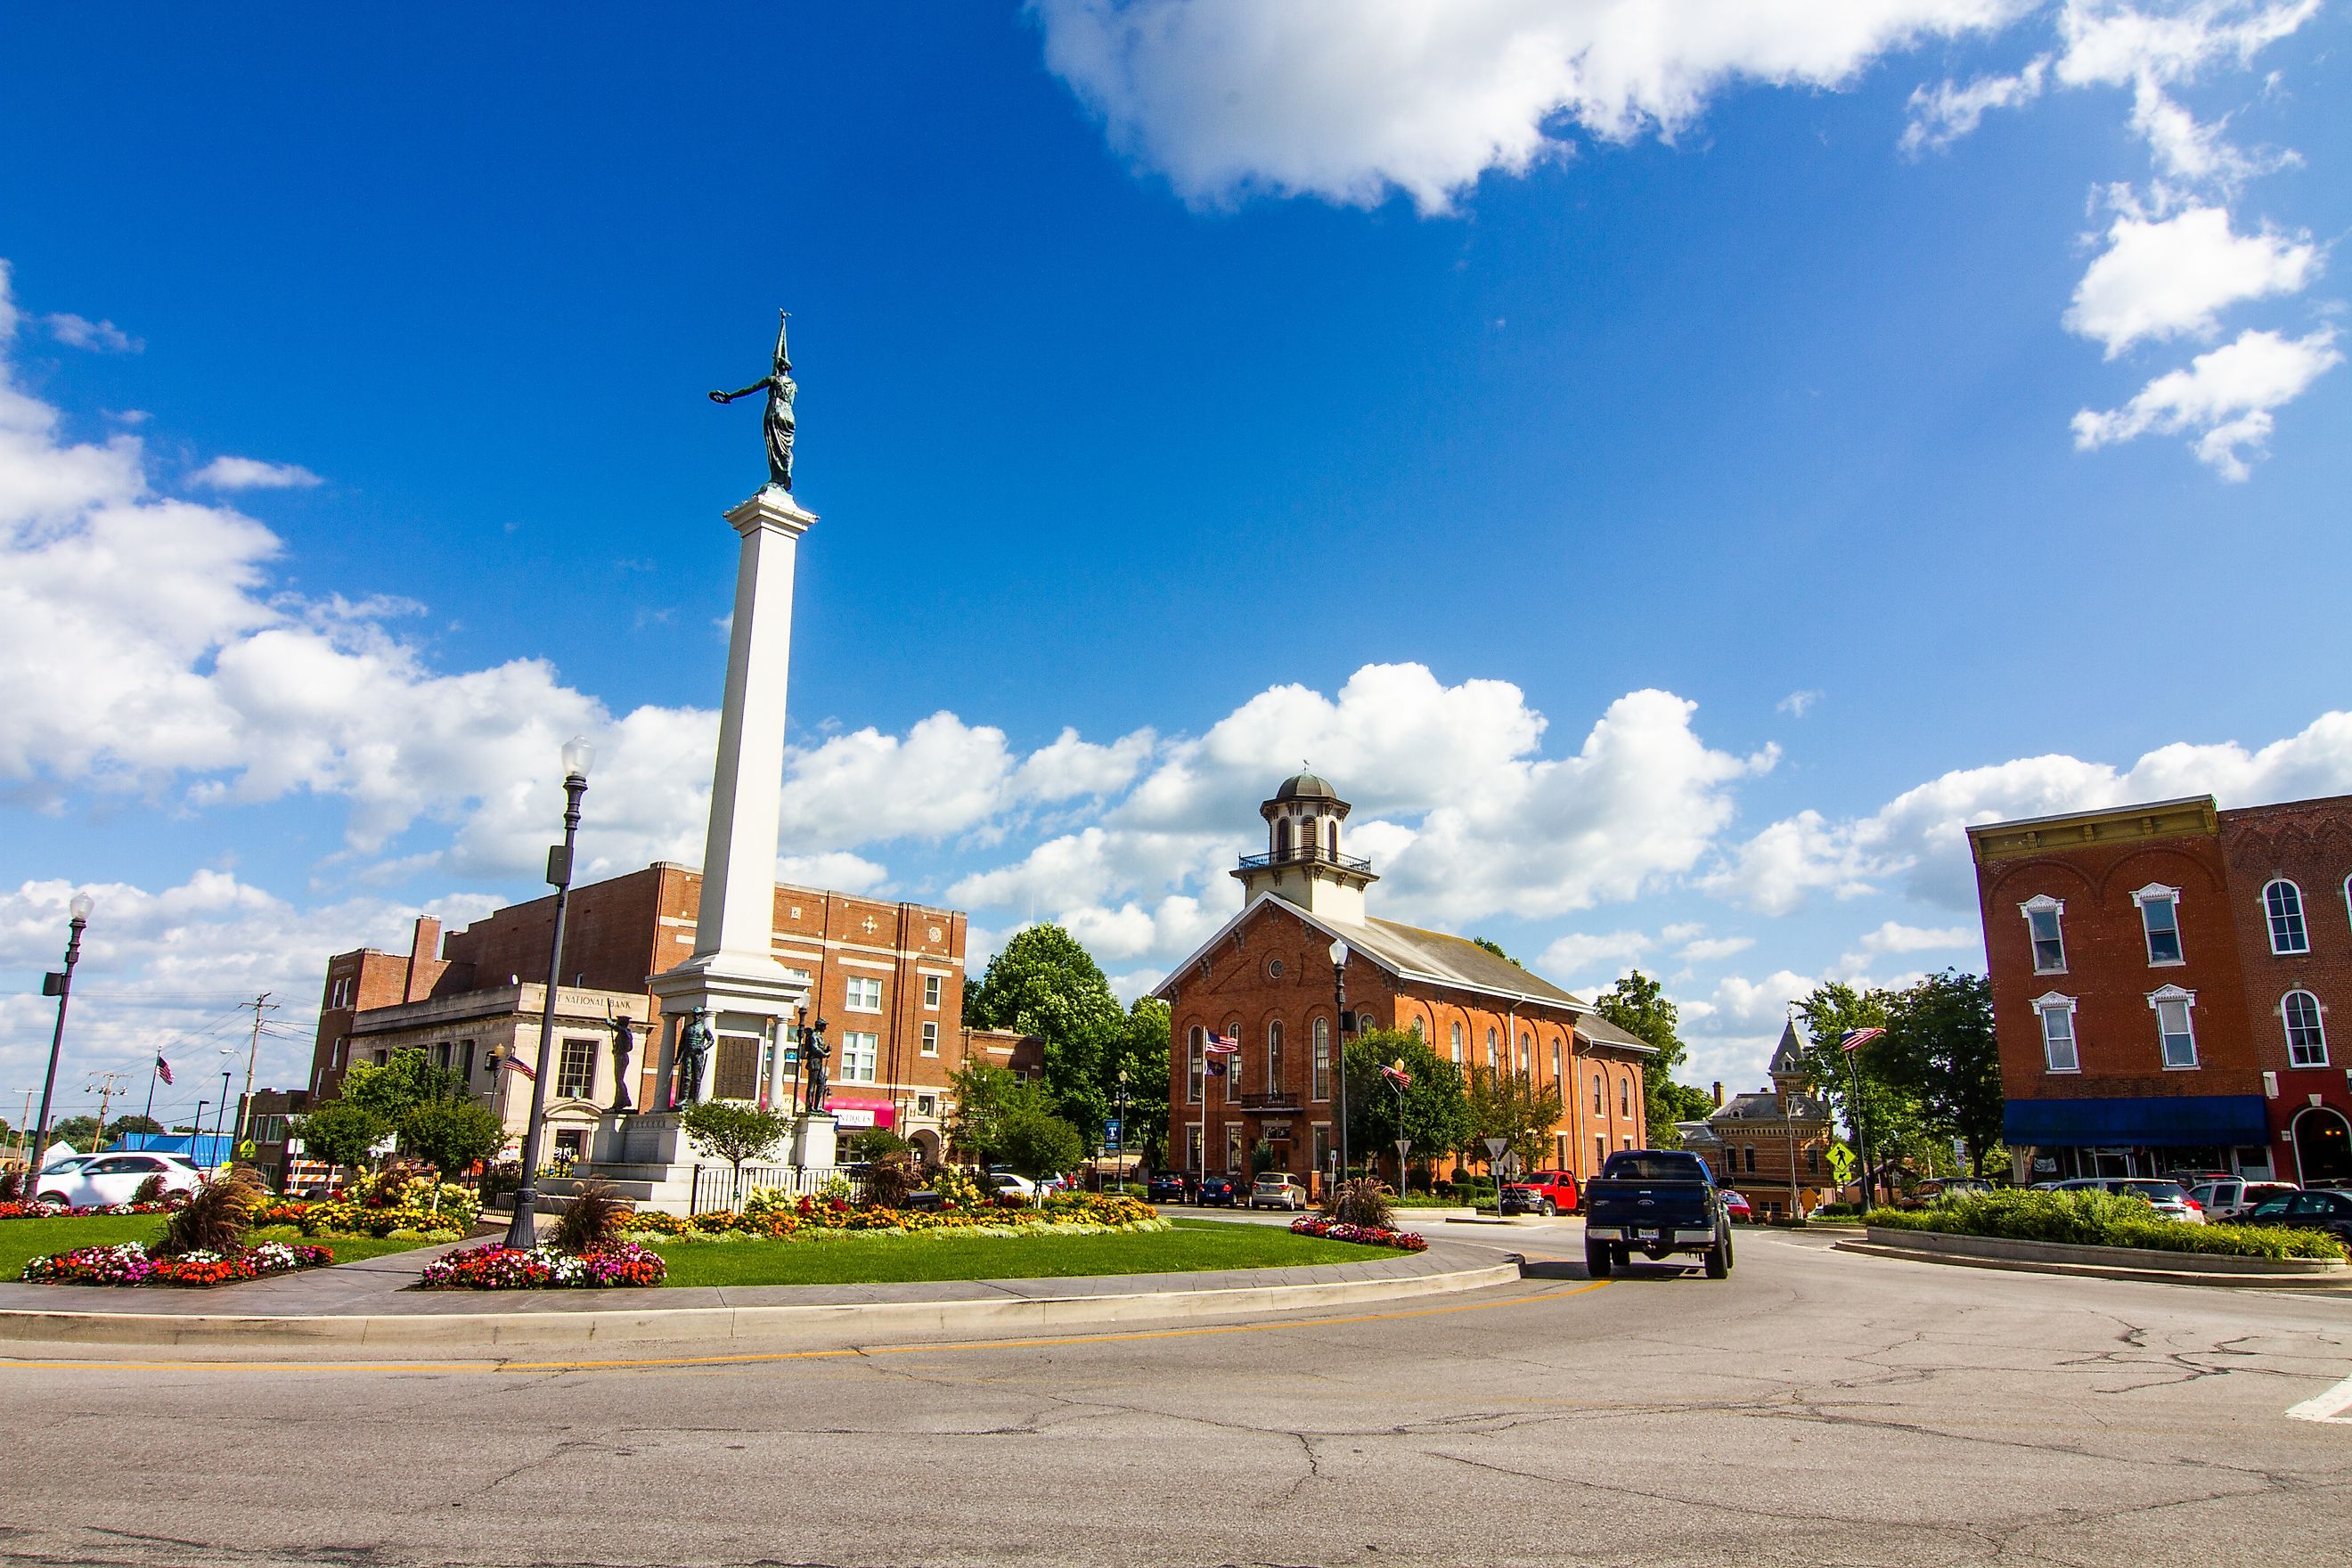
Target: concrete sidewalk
{"type": "Point", "coordinates": [370, 1304]}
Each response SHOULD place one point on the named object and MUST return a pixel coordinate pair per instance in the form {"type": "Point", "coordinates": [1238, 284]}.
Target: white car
{"type": "Point", "coordinates": [2235, 1198]}
{"type": "Point", "coordinates": [56, 1177]}
{"type": "Point", "coordinates": [117, 1178]}
{"type": "Point", "coordinates": [1007, 1183]}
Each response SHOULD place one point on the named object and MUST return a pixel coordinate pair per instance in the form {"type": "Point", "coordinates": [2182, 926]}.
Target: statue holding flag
{"type": "Point", "coordinates": [781, 389]}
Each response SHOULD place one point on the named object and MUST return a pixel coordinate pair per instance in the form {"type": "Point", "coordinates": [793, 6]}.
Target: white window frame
{"type": "Point", "coordinates": [1196, 1060]}
{"type": "Point", "coordinates": [1457, 1027]}
{"type": "Point", "coordinates": [933, 986]}
{"type": "Point", "coordinates": [2158, 894]}
{"type": "Point", "coordinates": [2318, 1025]}
{"type": "Point", "coordinates": [2043, 904]}
{"type": "Point", "coordinates": [930, 1046]}
{"type": "Point", "coordinates": [2271, 920]}
{"type": "Point", "coordinates": [855, 1055]}
{"type": "Point", "coordinates": [858, 986]}
{"type": "Point", "coordinates": [2157, 1000]}
{"type": "Point", "coordinates": [2046, 1004]}
{"type": "Point", "coordinates": [1274, 1045]}
{"type": "Point", "coordinates": [1319, 1086]}
{"type": "Point", "coordinates": [1494, 1062]}
{"type": "Point", "coordinates": [1233, 1063]}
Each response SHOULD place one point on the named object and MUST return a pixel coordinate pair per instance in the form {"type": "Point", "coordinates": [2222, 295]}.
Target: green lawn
{"type": "Point", "coordinates": [22, 1240]}
{"type": "Point", "coordinates": [1194, 1245]}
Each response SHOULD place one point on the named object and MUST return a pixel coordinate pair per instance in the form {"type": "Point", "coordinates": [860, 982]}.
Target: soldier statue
{"type": "Point", "coordinates": [815, 1052]}
{"type": "Point", "coordinates": [694, 1043]}
{"type": "Point", "coordinates": [781, 389]}
{"type": "Point", "coordinates": [625, 1046]}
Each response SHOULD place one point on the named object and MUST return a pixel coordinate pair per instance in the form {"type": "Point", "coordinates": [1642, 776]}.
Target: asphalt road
{"type": "Point", "coordinates": [1817, 1407]}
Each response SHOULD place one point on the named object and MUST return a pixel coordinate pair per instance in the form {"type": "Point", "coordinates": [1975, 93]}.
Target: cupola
{"type": "Point", "coordinates": [1302, 864]}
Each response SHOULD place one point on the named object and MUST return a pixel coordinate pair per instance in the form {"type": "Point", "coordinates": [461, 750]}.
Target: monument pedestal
{"type": "Point", "coordinates": [814, 1146]}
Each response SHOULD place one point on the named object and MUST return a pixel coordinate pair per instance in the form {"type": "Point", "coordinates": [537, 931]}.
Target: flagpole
{"type": "Point", "coordinates": [148, 1114]}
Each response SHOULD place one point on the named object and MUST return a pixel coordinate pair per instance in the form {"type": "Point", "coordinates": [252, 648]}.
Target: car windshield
{"type": "Point", "coordinates": [2157, 1192]}
{"type": "Point", "coordinates": [1654, 1166]}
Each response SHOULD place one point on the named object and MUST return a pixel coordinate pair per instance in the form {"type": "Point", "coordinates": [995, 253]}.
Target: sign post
{"type": "Point", "coordinates": [1403, 1147]}
{"type": "Point", "coordinates": [1494, 1147]}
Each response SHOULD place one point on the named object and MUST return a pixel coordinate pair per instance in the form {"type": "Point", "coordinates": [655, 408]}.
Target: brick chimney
{"type": "Point", "coordinates": [423, 949]}
{"type": "Point", "coordinates": [1718, 1094]}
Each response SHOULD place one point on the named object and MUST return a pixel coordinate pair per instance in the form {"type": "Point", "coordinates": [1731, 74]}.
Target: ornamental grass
{"type": "Point", "coordinates": [2101, 1219]}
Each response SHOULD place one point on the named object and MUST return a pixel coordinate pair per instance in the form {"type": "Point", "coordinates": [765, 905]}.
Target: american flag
{"type": "Point", "coordinates": [1223, 1044]}
{"type": "Point", "coordinates": [1854, 1039]}
{"type": "Point", "coordinates": [1394, 1072]}
{"type": "Point", "coordinates": [163, 1068]}
{"type": "Point", "coordinates": [516, 1064]}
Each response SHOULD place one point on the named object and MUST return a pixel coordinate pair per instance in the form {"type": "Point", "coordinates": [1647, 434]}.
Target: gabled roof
{"type": "Point", "coordinates": [1764, 1107]}
{"type": "Point", "coordinates": [1599, 1031]}
{"type": "Point", "coordinates": [1789, 1056]}
{"type": "Point", "coordinates": [1409, 952]}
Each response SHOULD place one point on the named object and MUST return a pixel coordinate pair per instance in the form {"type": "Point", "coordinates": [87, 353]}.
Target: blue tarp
{"type": "Point", "coordinates": [2204, 1120]}
{"type": "Point", "coordinates": [205, 1149]}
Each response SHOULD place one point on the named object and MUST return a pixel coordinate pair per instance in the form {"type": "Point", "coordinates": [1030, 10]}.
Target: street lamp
{"type": "Point", "coordinates": [1339, 1041]}
{"type": "Point", "coordinates": [578, 756]}
{"type": "Point", "coordinates": [57, 982]}
{"type": "Point", "coordinates": [220, 1123]}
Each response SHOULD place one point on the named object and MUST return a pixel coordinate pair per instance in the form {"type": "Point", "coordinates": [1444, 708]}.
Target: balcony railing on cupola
{"type": "Point", "coordinates": [1266, 1100]}
{"type": "Point", "coordinates": [1306, 854]}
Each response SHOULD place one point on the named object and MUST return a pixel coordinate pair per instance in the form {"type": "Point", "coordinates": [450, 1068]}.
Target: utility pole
{"type": "Point", "coordinates": [106, 1090]}
{"type": "Point", "coordinates": [260, 1005]}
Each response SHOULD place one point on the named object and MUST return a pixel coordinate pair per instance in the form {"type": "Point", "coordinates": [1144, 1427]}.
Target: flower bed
{"type": "Point", "coordinates": [130, 1264]}
{"type": "Point", "coordinates": [780, 1217]}
{"type": "Point", "coordinates": [13, 1210]}
{"type": "Point", "coordinates": [1370, 1235]}
{"type": "Point", "coordinates": [440, 1211]}
{"type": "Point", "coordinates": [497, 1267]}
{"type": "Point", "coordinates": [2101, 1219]}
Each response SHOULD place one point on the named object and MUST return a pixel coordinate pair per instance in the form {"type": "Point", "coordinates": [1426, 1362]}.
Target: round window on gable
{"type": "Point", "coordinates": [1274, 969]}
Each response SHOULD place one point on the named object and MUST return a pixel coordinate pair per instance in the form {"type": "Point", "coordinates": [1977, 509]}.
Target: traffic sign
{"type": "Point", "coordinates": [1494, 1147]}
{"type": "Point", "coordinates": [1841, 1162]}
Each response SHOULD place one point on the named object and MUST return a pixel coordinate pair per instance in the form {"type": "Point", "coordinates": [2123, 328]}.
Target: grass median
{"type": "Point", "coordinates": [1194, 1246]}
{"type": "Point", "coordinates": [22, 1240]}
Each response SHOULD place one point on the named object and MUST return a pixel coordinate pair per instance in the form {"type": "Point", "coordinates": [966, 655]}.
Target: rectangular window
{"type": "Point", "coordinates": [575, 1078]}
{"type": "Point", "coordinates": [2180, 1038]}
{"type": "Point", "coordinates": [1625, 1097]}
{"type": "Point", "coordinates": [1273, 1056]}
{"type": "Point", "coordinates": [1193, 1139]}
{"type": "Point", "coordinates": [1600, 1152]}
{"type": "Point", "coordinates": [470, 1063]}
{"type": "Point", "coordinates": [1195, 1068]}
{"type": "Point", "coordinates": [1232, 1064]}
{"type": "Point", "coordinates": [2160, 919]}
{"type": "Point", "coordinates": [1600, 1106]}
{"type": "Point", "coordinates": [930, 1039]}
{"type": "Point", "coordinates": [570, 1143]}
{"type": "Point", "coordinates": [2058, 1036]}
{"type": "Point", "coordinates": [1322, 1145]}
{"type": "Point", "coordinates": [1555, 1061]}
{"type": "Point", "coordinates": [926, 1105]}
{"type": "Point", "coordinates": [865, 995]}
{"type": "Point", "coordinates": [931, 993]}
{"type": "Point", "coordinates": [1457, 1044]}
{"type": "Point", "coordinates": [2049, 943]}
{"type": "Point", "coordinates": [1234, 1160]}
{"type": "Point", "coordinates": [1526, 1055]}
{"type": "Point", "coordinates": [858, 1053]}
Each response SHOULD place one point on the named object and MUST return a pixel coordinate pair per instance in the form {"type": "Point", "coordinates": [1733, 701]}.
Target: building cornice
{"type": "Point", "coordinates": [2189, 817]}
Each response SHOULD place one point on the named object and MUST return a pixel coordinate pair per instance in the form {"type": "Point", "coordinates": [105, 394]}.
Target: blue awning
{"type": "Point", "coordinates": [2207, 1120]}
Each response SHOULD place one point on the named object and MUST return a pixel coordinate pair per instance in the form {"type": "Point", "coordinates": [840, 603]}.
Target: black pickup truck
{"type": "Point", "coordinates": [1660, 1200]}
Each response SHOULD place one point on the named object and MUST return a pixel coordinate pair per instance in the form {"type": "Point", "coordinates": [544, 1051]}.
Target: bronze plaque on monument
{"type": "Point", "coordinates": [736, 1068]}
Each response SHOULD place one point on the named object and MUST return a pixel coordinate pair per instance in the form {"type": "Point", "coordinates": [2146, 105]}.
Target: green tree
{"type": "Point", "coordinates": [1045, 983]}
{"type": "Point", "coordinates": [1508, 1105]}
{"type": "Point", "coordinates": [733, 1130]}
{"type": "Point", "coordinates": [1039, 1143]}
{"type": "Point", "coordinates": [986, 1097]}
{"type": "Point", "coordinates": [407, 1079]}
{"type": "Point", "coordinates": [124, 1126]}
{"type": "Point", "coordinates": [1141, 1049]}
{"type": "Point", "coordinates": [1856, 1084]}
{"type": "Point", "coordinates": [1433, 1109]}
{"type": "Point", "coordinates": [1938, 1050]}
{"type": "Point", "coordinates": [80, 1131]}
{"type": "Point", "coordinates": [340, 1132]}
{"type": "Point", "coordinates": [1497, 949]}
{"type": "Point", "coordinates": [452, 1134]}
{"type": "Point", "coordinates": [1639, 1006]}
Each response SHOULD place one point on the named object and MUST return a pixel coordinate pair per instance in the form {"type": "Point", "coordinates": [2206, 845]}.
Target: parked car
{"type": "Point", "coordinates": [2230, 1198]}
{"type": "Point", "coordinates": [1735, 1205]}
{"type": "Point", "coordinates": [117, 1178]}
{"type": "Point", "coordinates": [56, 1176]}
{"type": "Point", "coordinates": [1662, 1201]}
{"type": "Point", "coordinates": [1937, 1188]}
{"type": "Point", "coordinates": [1219, 1191]}
{"type": "Point", "coordinates": [2167, 1197]}
{"type": "Point", "coordinates": [1011, 1185]}
{"type": "Point", "coordinates": [2330, 1211]}
{"type": "Point", "coordinates": [1276, 1191]}
{"type": "Point", "coordinates": [1541, 1192]}
{"type": "Point", "coordinates": [1165, 1187]}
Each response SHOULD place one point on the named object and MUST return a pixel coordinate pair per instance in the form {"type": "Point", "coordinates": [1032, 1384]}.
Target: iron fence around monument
{"type": "Point", "coordinates": [724, 1187]}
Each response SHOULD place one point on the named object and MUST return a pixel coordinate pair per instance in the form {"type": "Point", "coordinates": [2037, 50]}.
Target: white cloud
{"type": "Point", "coordinates": [1709, 949]}
{"type": "Point", "coordinates": [1951, 110]}
{"type": "Point", "coordinates": [2162, 278]}
{"type": "Point", "coordinates": [837, 869]}
{"type": "Point", "coordinates": [1893, 936]}
{"type": "Point", "coordinates": [1349, 99]}
{"type": "Point", "coordinates": [1572, 953]}
{"type": "Point", "coordinates": [2224, 397]}
{"type": "Point", "coordinates": [99, 337]}
{"type": "Point", "coordinates": [2119, 43]}
{"type": "Point", "coordinates": [252, 474]}
{"type": "Point", "coordinates": [1797, 704]}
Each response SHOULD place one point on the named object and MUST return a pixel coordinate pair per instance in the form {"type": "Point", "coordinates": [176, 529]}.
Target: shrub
{"type": "Point", "coordinates": [2101, 1219]}
{"type": "Point", "coordinates": [150, 1191]}
{"type": "Point", "coordinates": [593, 1219]}
{"type": "Point", "coordinates": [1037, 1143]}
{"type": "Point", "coordinates": [874, 1143]}
{"type": "Point", "coordinates": [213, 1219]}
{"type": "Point", "coordinates": [12, 1184]}
{"type": "Point", "coordinates": [730, 1130]}
{"type": "Point", "coordinates": [836, 1191]}
{"type": "Point", "coordinates": [957, 1188]}
{"type": "Point", "coordinates": [1360, 1201]}
{"type": "Point", "coordinates": [892, 1177]}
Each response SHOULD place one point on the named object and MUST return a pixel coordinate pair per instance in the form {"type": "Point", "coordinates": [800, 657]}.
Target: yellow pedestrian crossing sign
{"type": "Point", "coordinates": [1841, 1162]}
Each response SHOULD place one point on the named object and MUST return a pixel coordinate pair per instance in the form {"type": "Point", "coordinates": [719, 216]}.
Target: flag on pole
{"type": "Point", "coordinates": [1854, 1039]}
{"type": "Point", "coordinates": [163, 1068]}
{"type": "Point", "coordinates": [1394, 1072]}
{"type": "Point", "coordinates": [1223, 1044]}
{"type": "Point", "coordinates": [516, 1064]}
{"type": "Point", "coordinates": [1216, 1068]}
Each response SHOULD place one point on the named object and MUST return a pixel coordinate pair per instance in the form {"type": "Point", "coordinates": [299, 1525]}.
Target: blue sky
{"type": "Point", "coordinates": [1670, 476]}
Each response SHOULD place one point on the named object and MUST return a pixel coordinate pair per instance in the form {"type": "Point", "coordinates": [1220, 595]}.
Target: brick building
{"type": "Point", "coordinates": [1771, 1146]}
{"type": "Point", "coordinates": [2163, 981]}
{"type": "Point", "coordinates": [1265, 979]}
{"type": "Point", "coordinates": [887, 977]}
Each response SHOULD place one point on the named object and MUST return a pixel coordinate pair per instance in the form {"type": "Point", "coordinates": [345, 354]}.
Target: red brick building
{"type": "Point", "coordinates": [1265, 979]}
{"type": "Point", "coordinates": [887, 977]}
{"type": "Point", "coordinates": [2164, 979]}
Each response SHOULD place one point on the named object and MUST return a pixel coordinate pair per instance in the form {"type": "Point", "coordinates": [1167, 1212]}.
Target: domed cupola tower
{"type": "Point", "coordinates": [1302, 864]}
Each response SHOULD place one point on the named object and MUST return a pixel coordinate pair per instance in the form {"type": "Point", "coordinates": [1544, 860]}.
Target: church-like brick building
{"type": "Point", "coordinates": [1267, 980]}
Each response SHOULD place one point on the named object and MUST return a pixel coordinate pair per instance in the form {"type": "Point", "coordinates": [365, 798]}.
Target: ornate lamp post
{"type": "Point", "coordinates": [57, 982]}
{"type": "Point", "coordinates": [578, 756]}
{"type": "Point", "coordinates": [1339, 1042]}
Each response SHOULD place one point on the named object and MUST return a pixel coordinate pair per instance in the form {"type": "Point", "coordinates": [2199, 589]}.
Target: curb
{"type": "Point", "coordinates": [542, 1326]}
{"type": "Point", "coordinates": [2335, 1282]}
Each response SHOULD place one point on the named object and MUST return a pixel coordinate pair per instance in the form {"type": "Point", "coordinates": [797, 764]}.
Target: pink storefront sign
{"type": "Point", "coordinates": [848, 1112]}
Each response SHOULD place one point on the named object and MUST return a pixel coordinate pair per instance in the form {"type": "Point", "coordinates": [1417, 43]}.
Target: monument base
{"type": "Point", "coordinates": [648, 1161]}
{"type": "Point", "coordinates": [813, 1141]}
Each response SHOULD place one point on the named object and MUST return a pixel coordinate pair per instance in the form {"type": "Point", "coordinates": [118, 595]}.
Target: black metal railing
{"type": "Point", "coordinates": [1266, 1100]}
{"type": "Point", "coordinates": [1306, 854]}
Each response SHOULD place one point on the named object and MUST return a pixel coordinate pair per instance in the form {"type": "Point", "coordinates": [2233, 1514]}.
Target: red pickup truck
{"type": "Point", "coordinates": [1540, 1192]}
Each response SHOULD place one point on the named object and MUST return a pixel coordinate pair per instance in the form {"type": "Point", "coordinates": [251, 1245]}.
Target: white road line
{"type": "Point", "coordinates": [2328, 1406]}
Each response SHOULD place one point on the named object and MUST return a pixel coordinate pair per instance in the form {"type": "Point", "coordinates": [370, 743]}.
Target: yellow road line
{"type": "Point", "coordinates": [946, 1347]}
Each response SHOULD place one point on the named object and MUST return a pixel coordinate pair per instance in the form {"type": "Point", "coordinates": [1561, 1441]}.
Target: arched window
{"type": "Point", "coordinates": [1322, 1059]}
{"type": "Point", "coordinates": [2306, 1035]}
{"type": "Point", "coordinates": [1457, 1044]}
{"type": "Point", "coordinates": [1274, 1055]}
{"type": "Point", "coordinates": [1527, 1055]}
{"type": "Point", "coordinates": [2282, 902]}
{"type": "Point", "coordinates": [1196, 1060]}
{"type": "Point", "coordinates": [1281, 838]}
{"type": "Point", "coordinates": [1233, 1062]}
{"type": "Point", "coordinates": [1492, 1064]}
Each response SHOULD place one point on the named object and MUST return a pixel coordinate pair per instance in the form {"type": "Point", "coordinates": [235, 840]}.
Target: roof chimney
{"type": "Point", "coordinates": [1718, 1094]}
{"type": "Point", "coordinates": [422, 950]}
